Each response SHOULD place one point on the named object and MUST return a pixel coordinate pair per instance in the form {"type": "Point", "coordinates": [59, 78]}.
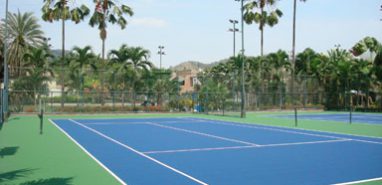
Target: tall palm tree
{"type": "Point", "coordinates": [58, 10]}
{"type": "Point", "coordinates": [24, 33]}
{"type": "Point", "coordinates": [294, 46]}
{"type": "Point", "coordinates": [294, 32]}
{"type": "Point", "coordinates": [255, 13]}
{"type": "Point", "coordinates": [108, 11]}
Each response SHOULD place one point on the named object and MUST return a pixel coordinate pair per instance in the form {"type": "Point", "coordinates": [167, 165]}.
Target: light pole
{"type": "Point", "coordinates": [242, 114]}
{"type": "Point", "coordinates": [4, 110]}
{"type": "Point", "coordinates": [234, 30]}
{"type": "Point", "coordinates": [160, 53]}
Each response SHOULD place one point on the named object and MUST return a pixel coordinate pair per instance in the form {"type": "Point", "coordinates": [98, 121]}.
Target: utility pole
{"type": "Point", "coordinates": [242, 114]}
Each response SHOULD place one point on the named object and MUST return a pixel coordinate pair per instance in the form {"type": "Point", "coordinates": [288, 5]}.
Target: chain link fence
{"type": "Point", "coordinates": [113, 91]}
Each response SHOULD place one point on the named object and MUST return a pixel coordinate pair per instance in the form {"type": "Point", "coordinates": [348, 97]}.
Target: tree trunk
{"type": "Point", "coordinates": [62, 65]}
{"type": "Point", "coordinates": [103, 35]}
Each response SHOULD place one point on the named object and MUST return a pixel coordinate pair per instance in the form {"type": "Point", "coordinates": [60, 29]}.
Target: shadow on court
{"type": "Point", "coordinates": [8, 151]}
{"type": "Point", "coordinates": [8, 177]}
{"type": "Point", "coordinates": [13, 175]}
{"type": "Point", "coordinates": [50, 181]}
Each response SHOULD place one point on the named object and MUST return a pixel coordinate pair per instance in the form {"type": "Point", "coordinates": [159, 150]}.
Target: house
{"type": "Point", "coordinates": [187, 79]}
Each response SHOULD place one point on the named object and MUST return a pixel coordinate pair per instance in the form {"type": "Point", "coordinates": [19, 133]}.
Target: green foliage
{"type": "Point", "coordinates": [370, 44]}
{"type": "Point", "coordinates": [378, 64]}
{"type": "Point", "coordinates": [24, 32]}
{"type": "Point", "coordinates": [55, 10]}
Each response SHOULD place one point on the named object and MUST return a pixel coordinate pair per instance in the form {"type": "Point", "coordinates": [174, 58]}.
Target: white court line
{"type": "Point", "coordinates": [361, 181]}
{"type": "Point", "coordinates": [282, 129]}
{"type": "Point", "coordinates": [116, 123]}
{"type": "Point", "coordinates": [243, 147]}
{"type": "Point", "coordinates": [203, 134]}
{"type": "Point", "coordinates": [88, 153]}
{"type": "Point", "coordinates": [198, 149]}
{"type": "Point", "coordinates": [140, 153]}
{"type": "Point", "coordinates": [272, 129]}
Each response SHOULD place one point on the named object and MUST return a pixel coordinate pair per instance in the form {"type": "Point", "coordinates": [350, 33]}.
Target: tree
{"type": "Point", "coordinates": [378, 65]}
{"type": "Point", "coordinates": [119, 61]}
{"type": "Point", "coordinates": [81, 61]}
{"type": "Point", "coordinates": [58, 10]}
{"type": "Point", "coordinates": [255, 13]}
{"type": "Point", "coordinates": [132, 60]}
{"type": "Point", "coordinates": [108, 11]}
{"type": "Point", "coordinates": [294, 35]}
{"type": "Point", "coordinates": [138, 60]}
{"type": "Point", "coordinates": [370, 44]}
{"type": "Point", "coordinates": [24, 33]}
{"type": "Point", "coordinates": [38, 69]}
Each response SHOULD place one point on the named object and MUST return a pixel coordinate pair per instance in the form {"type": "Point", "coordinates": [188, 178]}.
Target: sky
{"type": "Point", "coordinates": [197, 30]}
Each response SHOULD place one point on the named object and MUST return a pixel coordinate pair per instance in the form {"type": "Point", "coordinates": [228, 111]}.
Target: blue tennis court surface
{"type": "Point", "coordinates": [187, 151]}
{"type": "Point", "coordinates": [343, 117]}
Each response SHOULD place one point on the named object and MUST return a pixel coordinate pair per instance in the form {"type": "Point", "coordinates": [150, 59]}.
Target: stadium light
{"type": "Point", "coordinates": [234, 30]}
{"type": "Point", "coordinates": [242, 114]}
{"type": "Point", "coordinates": [160, 53]}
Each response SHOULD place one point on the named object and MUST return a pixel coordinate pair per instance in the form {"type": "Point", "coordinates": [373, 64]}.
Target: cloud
{"type": "Point", "coordinates": [149, 22]}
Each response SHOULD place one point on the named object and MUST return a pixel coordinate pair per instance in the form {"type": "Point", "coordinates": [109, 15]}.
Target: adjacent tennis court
{"type": "Point", "coordinates": [362, 118]}
{"type": "Point", "coordinates": [202, 151]}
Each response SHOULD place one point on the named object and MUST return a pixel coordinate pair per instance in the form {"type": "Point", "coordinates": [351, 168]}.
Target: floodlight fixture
{"type": "Point", "coordinates": [160, 53]}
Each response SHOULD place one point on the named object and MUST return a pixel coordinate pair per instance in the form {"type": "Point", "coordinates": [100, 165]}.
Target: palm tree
{"type": "Point", "coordinates": [108, 11]}
{"type": "Point", "coordinates": [378, 65]}
{"type": "Point", "coordinates": [82, 59]}
{"type": "Point", "coordinates": [294, 46]}
{"type": "Point", "coordinates": [294, 33]}
{"type": "Point", "coordinates": [56, 10]}
{"type": "Point", "coordinates": [39, 70]}
{"type": "Point", "coordinates": [370, 44]}
{"type": "Point", "coordinates": [119, 61]}
{"type": "Point", "coordinates": [255, 13]}
{"type": "Point", "coordinates": [280, 63]}
{"type": "Point", "coordinates": [138, 60]}
{"type": "Point", "coordinates": [24, 33]}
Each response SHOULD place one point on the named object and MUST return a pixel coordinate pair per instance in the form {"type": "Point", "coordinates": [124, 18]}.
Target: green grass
{"type": "Point", "coordinates": [26, 157]}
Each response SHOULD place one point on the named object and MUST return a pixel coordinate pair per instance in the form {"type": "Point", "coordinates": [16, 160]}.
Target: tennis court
{"type": "Point", "coordinates": [363, 118]}
{"type": "Point", "coordinates": [202, 151]}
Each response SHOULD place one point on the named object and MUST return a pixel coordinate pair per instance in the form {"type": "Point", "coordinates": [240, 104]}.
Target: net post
{"type": "Point", "coordinates": [1, 110]}
{"type": "Point", "coordinates": [223, 106]}
{"type": "Point", "coordinates": [41, 117]}
{"type": "Point", "coordinates": [350, 115]}
{"type": "Point", "coordinates": [295, 117]}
